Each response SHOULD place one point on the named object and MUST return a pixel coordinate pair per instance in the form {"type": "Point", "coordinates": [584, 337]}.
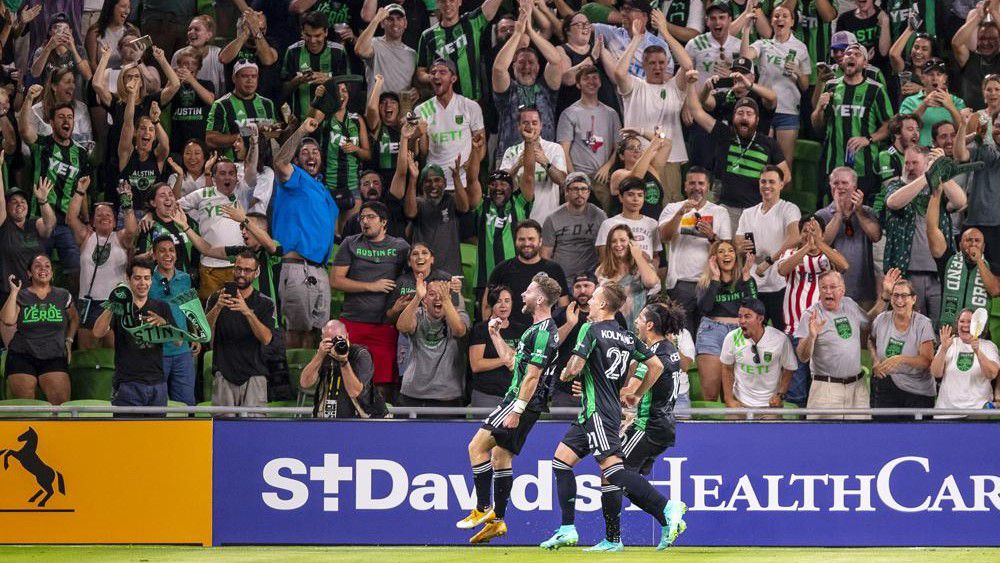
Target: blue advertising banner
{"type": "Point", "coordinates": [778, 484]}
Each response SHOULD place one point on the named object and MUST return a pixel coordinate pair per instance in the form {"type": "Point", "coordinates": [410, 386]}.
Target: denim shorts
{"type": "Point", "coordinates": [785, 122]}
{"type": "Point", "coordinates": [710, 336]}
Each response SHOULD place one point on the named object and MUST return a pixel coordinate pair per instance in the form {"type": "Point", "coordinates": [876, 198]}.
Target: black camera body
{"type": "Point", "coordinates": [340, 345]}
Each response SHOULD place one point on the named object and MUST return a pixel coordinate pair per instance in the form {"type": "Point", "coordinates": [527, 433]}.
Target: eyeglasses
{"type": "Point", "coordinates": [368, 217]}
{"type": "Point", "coordinates": [239, 270]}
{"type": "Point", "coordinates": [756, 353]}
{"type": "Point", "coordinates": [582, 25]}
{"type": "Point", "coordinates": [901, 295]}
{"type": "Point", "coordinates": [577, 189]}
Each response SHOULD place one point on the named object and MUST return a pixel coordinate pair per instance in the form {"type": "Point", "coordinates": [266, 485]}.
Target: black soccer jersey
{"type": "Point", "coordinates": [538, 346]}
{"type": "Point", "coordinates": [655, 412]}
{"type": "Point", "coordinates": [607, 349]}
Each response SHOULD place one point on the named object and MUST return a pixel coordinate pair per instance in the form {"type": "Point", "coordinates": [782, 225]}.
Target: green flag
{"type": "Point", "coordinates": [121, 305]}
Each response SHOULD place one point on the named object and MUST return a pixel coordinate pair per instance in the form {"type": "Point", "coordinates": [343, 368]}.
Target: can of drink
{"type": "Point", "coordinates": [904, 77]}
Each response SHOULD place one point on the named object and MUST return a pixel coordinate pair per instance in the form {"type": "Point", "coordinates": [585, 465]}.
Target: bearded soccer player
{"type": "Point", "coordinates": [602, 354]}
{"type": "Point", "coordinates": [504, 431]}
{"type": "Point", "coordinates": [652, 431]}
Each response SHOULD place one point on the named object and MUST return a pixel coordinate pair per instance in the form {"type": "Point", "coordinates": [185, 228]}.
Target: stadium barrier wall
{"type": "Point", "coordinates": [111, 481]}
{"type": "Point", "coordinates": [775, 484]}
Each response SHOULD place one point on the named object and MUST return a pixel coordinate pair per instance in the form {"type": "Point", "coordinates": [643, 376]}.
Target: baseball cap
{"type": "Point", "coordinates": [742, 64]}
{"type": "Point", "coordinates": [502, 176]}
{"type": "Point", "coordinates": [577, 177]}
{"type": "Point", "coordinates": [388, 96]}
{"type": "Point", "coordinates": [431, 170]}
{"type": "Point", "coordinates": [395, 8]}
{"type": "Point", "coordinates": [748, 102]}
{"type": "Point", "coordinates": [17, 191]}
{"type": "Point", "coordinates": [447, 63]}
{"type": "Point", "coordinates": [717, 5]}
{"type": "Point", "coordinates": [243, 64]}
{"type": "Point", "coordinates": [859, 48]}
{"type": "Point", "coordinates": [935, 65]}
{"type": "Point", "coordinates": [640, 5]}
{"type": "Point", "coordinates": [842, 39]}
{"type": "Point", "coordinates": [754, 304]}
{"type": "Point", "coordinates": [584, 277]}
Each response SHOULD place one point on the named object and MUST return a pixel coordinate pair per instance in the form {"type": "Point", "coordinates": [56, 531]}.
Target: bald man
{"type": "Point", "coordinates": [342, 377]}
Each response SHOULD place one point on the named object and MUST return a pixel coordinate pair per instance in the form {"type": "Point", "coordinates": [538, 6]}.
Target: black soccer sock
{"type": "Point", "coordinates": [482, 474]}
{"type": "Point", "coordinates": [503, 481]}
{"type": "Point", "coordinates": [639, 491]}
{"type": "Point", "coordinates": [566, 488]}
{"type": "Point", "coordinates": [611, 505]}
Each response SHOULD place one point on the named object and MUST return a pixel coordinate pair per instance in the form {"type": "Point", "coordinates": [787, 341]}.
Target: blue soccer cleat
{"type": "Point", "coordinates": [608, 546]}
{"type": "Point", "coordinates": [565, 536]}
{"type": "Point", "coordinates": [675, 526]}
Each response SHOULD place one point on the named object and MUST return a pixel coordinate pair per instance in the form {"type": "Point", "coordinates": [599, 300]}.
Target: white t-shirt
{"type": "Point", "coordinates": [254, 199]}
{"type": "Point", "coordinates": [757, 381]}
{"type": "Point", "coordinates": [450, 132]}
{"type": "Point", "coordinates": [687, 252]}
{"type": "Point", "coordinates": [768, 234]}
{"type": "Point", "coordinates": [964, 386]}
{"type": "Point", "coordinates": [188, 184]}
{"type": "Point", "coordinates": [546, 191]}
{"type": "Point", "coordinates": [685, 345]}
{"type": "Point", "coordinates": [110, 273]}
{"type": "Point", "coordinates": [705, 51]}
{"type": "Point", "coordinates": [645, 229]}
{"type": "Point", "coordinates": [205, 206]}
{"type": "Point", "coordinates": [771, 57]}
{"type": "Point", "coordinates": [696, 13]}
{"type": "Point", "coordinates": [648, 105]}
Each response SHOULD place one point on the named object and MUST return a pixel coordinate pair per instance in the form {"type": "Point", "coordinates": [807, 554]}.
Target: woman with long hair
{"type": "Point", "coordinates": [193, 171]}
{"type": "Point", "coordinates": [724, 283]}
{"type": "Point", "coordinates": [111, 26]}
{"type": "Point", "coordinates": [583, 51]}
{"type": "Point", "coordinates": [643, 164]}
{"type": "Point", "coordinates": [490, 374]}
{"type": "Point", "coordinates": [625, 263]}
{"type": "Point", "coordinates": [909, 66]}
{"type": "Point", "coordinates": [60, 51]}
{"type": "Point", "coordinates": [61, 89]}
{"type": "Point", "coordinates": [420, 262]}
{"type": "Point", "coordinates": [142, 149]}
{"type": "Point", "coordinates": [966, 365]}
{"type": "Point", "coordinates": [39, 324]}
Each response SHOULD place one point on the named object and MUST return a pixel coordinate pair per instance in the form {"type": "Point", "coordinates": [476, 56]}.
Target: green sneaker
{"type": "Point", "coordinates": [608, 546]}
{"type": "Point", "coordinates": [565, 536]}
{"type": "Point", "coordinates": [673, 513]}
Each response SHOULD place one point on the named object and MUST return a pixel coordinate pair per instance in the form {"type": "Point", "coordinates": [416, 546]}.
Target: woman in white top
{"type": "Point", "coordinates": [61, 89]}
{"type": "Point", "coordinates": [200, 33]}
{"type": "Point", "coordinates": [193, 172]}
{"type": "Point", "coordinates": [104, 255]}
{"type": "Point", "coordinates": [625, 263]}
{"type": "Point", "coordinates": [967, 367]}
{"type": "Point", "coordinates": [109, 29]}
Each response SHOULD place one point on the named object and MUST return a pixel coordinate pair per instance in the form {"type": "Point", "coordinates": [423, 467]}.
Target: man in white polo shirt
{"type": "Point", "coordinates": [757, 361]}
{"type": "Point", "coordinates": [449, 121]}
{"type": "Point", "coordinates": [549, 164]}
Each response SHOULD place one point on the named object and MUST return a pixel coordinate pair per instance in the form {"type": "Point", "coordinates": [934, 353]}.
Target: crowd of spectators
{"type": "Point", "coordinates": [312, 170]}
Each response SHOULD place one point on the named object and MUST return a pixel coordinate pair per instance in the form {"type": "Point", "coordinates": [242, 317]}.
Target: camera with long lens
{"type": "Point", "coordinates": [340, 345]}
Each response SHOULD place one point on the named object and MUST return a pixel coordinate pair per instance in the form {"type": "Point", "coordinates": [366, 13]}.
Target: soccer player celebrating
{"type": "Point", "coordinates": [504, 431]}
{"type": "Point", "coordinates": [602, 354]}
{"type": "Point", "coordinates": [652, 431]}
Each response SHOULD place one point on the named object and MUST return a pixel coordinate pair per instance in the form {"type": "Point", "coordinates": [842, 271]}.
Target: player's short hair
{"type": "Point", "coordinates": [667, 316]}
{"type": "Point", "coordinates": [550, 288]}
{"type": "Point", "coordinates": [614, 295]}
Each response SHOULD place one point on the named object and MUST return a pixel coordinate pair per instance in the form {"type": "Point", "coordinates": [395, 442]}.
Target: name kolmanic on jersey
{"type": "Point", "coordinates": [288, 488]}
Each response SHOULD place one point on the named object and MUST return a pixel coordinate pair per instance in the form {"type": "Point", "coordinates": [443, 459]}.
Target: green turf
{"type": "Point", "coordinates": [156, 554]}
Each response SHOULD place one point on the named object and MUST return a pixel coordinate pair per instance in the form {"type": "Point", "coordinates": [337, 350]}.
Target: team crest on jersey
{"type": "Point", "coordinates": [965, 360]}
{"type": "Point", "coordinates": [767, 357]}
{"type": "Point", "coordinates": [663, 94]}
{"type": "Point", "coordinates": [893, 348]}
{"type": "Point", "coordinates": [843, 327]}
{"type": "Point", "coordinates": [459, 119]}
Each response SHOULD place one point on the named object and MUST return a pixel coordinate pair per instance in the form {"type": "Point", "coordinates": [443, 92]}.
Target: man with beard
{"type": "Point", "coordinates": [689, 228]}
{"type": "Point", "coordinates": [976, 46]}
{"type": "Point", "coordinates": [934, 103]}
{"type": "Point", "coordinates": [449, 120]}
{"type": "Point", "coordinates": [372, 189]}
{"type": "Point", "coordinates": [537, 162]}
{"type": "Point", "coordinates": [387, 55]}
{"type": "Point", "coordinates": [569, 235]}
{"type": "Point", "coordinates": [984, 189]}
{"type": "Point", "coordinates": [741, 152]}
{"type": "Point", "coordinates": [518, 272]}
{"type": "Point", "coordinates": [304, 216]}
{"type": "Point", "coordinates": [855, 112]}
{"type": "Point", "coordinates": [178, 357]}
{"type": "Point", "coordinates": [757, 361]}
{"type": "Point", "coordinates": [456, 39]}
{"type": "Point", "coordinates": [905, 132]}
{"type": "Point", "coordinates": [241, 319]}
{"type": "Point", "coordinates": [309, 63]}
{"type": "Point", "coordinates": [968, 282]}
{"type": "Point", "coordinates": [496, 218]}
{"type": "Point", "coordinates": [503, 433]}
{"type": "Point", "coordinates": [384, 125]}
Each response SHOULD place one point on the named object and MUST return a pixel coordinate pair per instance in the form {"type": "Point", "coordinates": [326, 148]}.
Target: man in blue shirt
{"type": "Point", "coordinates": [304, 218]}
{"type": "Point", "coordinates": [178, 358]}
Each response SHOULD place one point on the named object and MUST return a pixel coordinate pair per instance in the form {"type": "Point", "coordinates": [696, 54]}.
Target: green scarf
{"type": "Point", "coordinates": [121, 305]}
{"type": "Point", "coordinates": [963, 289]}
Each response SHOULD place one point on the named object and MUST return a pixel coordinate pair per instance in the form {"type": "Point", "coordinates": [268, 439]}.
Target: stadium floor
{"type": "Point", "coordinates": [172, 554]}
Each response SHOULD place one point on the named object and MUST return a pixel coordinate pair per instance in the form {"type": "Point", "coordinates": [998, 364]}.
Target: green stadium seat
{"type": "Point", "coordinates": [87, 403]}
{"type": "Point", "coordinates": [470, 264]}
{"type": "Point", "coordinates": [694, 393]}
{"type": "Point", "coordinates": [23, 402]}
{"type": "Point", "coordinates": [176, 414]}
{"type": "Point", "coordinates": [791, 416]}
{"type": "Point", "coordinates": [297, 360]}
{"type": "Point", "coordinates": [805, 175]}
{"type": "Point", "coordinates": [91, 373]}
{"type": "Point", "coordinates": [707, 405]}
{"type": "Point", "coordinates": [207, 381]}
{"type": "Point", "coordinates": [203, 414]}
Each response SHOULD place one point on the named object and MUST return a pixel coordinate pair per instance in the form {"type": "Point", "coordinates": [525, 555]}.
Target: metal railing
{"type": "Point", "coordinates": [744, 414]}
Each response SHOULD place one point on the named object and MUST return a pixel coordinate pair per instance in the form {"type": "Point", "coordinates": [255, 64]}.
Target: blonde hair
{"type": "Point", "coordinates": [608, 267]}
{"type": "Point", "coordinates": [706, 273]}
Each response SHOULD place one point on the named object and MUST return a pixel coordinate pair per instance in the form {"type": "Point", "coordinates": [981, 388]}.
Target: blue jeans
{"type": "Point", "coordinates": [178, 370]}
{"type": "Point", "coordinates": [798, 391]}
{"type": "Point", "coordinates": [139, 394]}
{"type": "Point", "coordinates": [69, 253]}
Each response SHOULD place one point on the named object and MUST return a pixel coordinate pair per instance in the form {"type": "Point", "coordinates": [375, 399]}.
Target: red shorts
{"type": "Point", "coordinates": [380, 339]}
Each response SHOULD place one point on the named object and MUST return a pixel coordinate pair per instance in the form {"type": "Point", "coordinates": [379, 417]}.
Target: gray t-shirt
{"type": "Point", "coordinates": [859, 279]}
{"type": "Point", "coordinates": [369, 261]}
{"type": "Point", "coordinates": [920, 250]}
{"type": "Point", "coordinates": [592, 133]}
{"type": "Point", "coordinates": [436, 369]}
{"type": "Point", "coordinates": [891, 342]}
{"type": "Point", "coordinates": [984, 191]}
{"type": "Point", "coordinates": [572, 236]}
{"type": "Point", "coordinates": [396, 62]}
{"type": "Point", "coordinates": [837, 352]}
{"type": "Point", "coordinates": [436, 225]}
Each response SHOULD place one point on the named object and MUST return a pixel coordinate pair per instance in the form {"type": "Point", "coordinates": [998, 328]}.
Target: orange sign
{"type": "Point", "coordinates": [68, 481]}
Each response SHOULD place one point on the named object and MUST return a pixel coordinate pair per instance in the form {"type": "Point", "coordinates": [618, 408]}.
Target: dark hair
{"type": "Point", "coordinates": [63, 105]}
{"type": "Point", "coordinates": [528, 224]}
{"type": "Point", "coordinates": [377, 207]}
{"type": "Point", "coordinates": [631, 183]}
{"type": "Point", "coordinates": [314, 19]}
{"type": "Point", "coordinates": [568, 21]}
{"type": "Point", "coordinates": [247, 254]}
{"type": "Point", "coordinates": [522, 50]}
{"type": "Point", "coordinates": [937, 126]}
{"type": "Point", "coordinates": [526, 109]}
{"type": "Point", "coordinates": [143, 263]}
{"type": "Point", "coordinates": [624, 141]}
{"type": "Point", "coordinates": [162, 238]}
{"type": "Point", "coordinates": [819, 219]}
{"type": "Point", "coordinates": [667, 316]}
{"type": "Point", "coordinates": [493, 294]}
{"type": "Point", "coordinates": [699, 170]}
{"type": "Point", "coordinates": [585, 71]}
{"type": "Point", "coordinates": [104, 19]}
{"type": "Point", "coordinates": [776, 169]}
{"type": "Point", "coordinates": [896, 123]}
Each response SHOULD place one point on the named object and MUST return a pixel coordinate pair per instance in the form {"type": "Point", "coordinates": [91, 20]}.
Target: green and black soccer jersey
{"type": "Point", "coordinates": [332, 60]}
{"type": "Point", "coordinates": [739, 163]}
{"type": "Point", "coordinates": [814, 32]}
{"type": "Point", "coordinates": [655, 411]}
{"type": "Point", "coordinates": [537, 347]}
{"type": "Point", "coordinates": [607, 349]}
{"type": "Point", "coordinates": [459, 44]}
{"type": "Point", "coordinates": [890, 163]}
{"type": "Point", "coordinates": [899, 12]}
{"type": "Point", "coordinates": [341, 168]}
{"type": "Point", "coordinates": [385, 151]}
{"type": "Point", "coordinates": [230, 113]}
{"type": "Point", "coordinates": [63, 165]}
{"type": "Point", "coordinates": [854, 111]}
{"type": "Point", "coordinates": [495, 230]}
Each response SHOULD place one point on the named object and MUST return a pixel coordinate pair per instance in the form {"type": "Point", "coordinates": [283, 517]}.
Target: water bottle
{"type": "Point", "coordinates": [790, 58]}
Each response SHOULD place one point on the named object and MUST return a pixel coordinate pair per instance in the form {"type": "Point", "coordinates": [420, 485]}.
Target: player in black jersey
{"type": "Point", "coordinates": [602, 355]}
{"type": "Point", "coordinates": [652, 431]}
{"type": "Point", "coordinates": [504, 431]}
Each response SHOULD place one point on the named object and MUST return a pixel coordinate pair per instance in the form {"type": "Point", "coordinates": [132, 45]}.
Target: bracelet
{"type": "Point", "coordinates": [79, 193]}
{"type": "Point", "coordinates": [519, 406]}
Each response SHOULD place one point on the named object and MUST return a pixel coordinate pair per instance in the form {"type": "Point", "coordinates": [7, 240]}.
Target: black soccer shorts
{"type": "Point", "coordinates": [510, 439]}
{"type": "Point", "coordinates": [594, 436]}
{"type": "Point", "coordinates": [640, 451]}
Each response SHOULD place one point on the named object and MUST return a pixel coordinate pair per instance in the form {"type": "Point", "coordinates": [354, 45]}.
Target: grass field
{"type": "Point", "coordinates": [168, 554]}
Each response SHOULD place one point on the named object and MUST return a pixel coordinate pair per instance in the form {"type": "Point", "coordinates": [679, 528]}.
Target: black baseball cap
{"type": "Point", "coordinates": [718, 5]}
{"type": "Point", "coordinates": [754, 304]}
{"type": "Point", "coordinates": [749, 102]}
{"type": "Point", "coordinates": [388, 95]}
{"type": "Point", "coordinates": [17, 191]}
{"type": "Point", "coordinates": [501, 175]}
{"type": "Point", "coordinates": [584, 277]}
{"type": "Point", "coordinates": [742, 64]}
{"type": "Point", "coordinates": [935, 65]}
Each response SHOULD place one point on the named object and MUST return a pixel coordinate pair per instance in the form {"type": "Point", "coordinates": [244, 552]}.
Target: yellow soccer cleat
{"type": "Point", "coordinates": [475, 518]}
{"type": "Point", "coordinates": [493, 529]}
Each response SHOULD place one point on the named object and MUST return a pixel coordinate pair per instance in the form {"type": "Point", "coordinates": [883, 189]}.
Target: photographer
{"type": "Point", "coordinates": [344, 372]}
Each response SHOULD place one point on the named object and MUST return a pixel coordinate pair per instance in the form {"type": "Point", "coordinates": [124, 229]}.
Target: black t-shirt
{"type": "Point", "coordinates": [725, 103]}
{"type": "Point", "coordinates": [568, 95]}
{"type": "Point", "coordinates": [517, 275]}
{"type": "Point", "coordinates": [141, 175]}
{"type": "Point", "coordinates": [494, 381]}
{"type": "Point", "coordinates": [135, 360]}
{"type": "Point", "coordinates": [566, 346]}
{"type": "Point", "coordinates": [331, 383]}
{"type": "Point", "coordinates": [739, 163]}
{"type": "Point", "coordinates": [116, 112]}
{"type": "Point", "coordinates": [17, 247]}
{"type": "Point", "coordinates": [238, 354]}
{"type": "Point", "coordinates": [436, 225]}
{"type": "Point", "coordinates": [866, 30]}
{"type": "Point", "coordinates": [188, 114]}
